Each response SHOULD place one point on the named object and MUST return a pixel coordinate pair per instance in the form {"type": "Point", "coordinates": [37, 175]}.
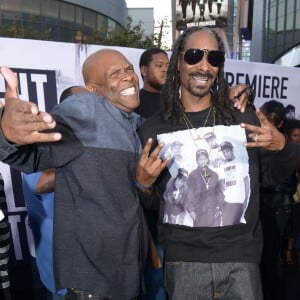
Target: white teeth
{"type": "Point", "coordinates": [200, 78]}
{"type": "Point", "coordinates": [129, 91]}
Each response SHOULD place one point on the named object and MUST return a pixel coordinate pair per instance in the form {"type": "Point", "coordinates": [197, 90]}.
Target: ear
{"type": "Point", "coordinates": [91, 88]}
{"type": "Point", "coordinates": [144, 70]}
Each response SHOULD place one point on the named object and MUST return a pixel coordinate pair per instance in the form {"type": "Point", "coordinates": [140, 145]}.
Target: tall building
{"type": "Point", "coordinates": [66, 21]}
{"type": "Point", "coordinates": [276, 32]}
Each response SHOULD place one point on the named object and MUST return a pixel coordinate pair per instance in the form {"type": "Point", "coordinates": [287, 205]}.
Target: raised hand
{"type": "Point", "coordinates": [22, 122]}
{"type": "Point", "coordinates": [266, 136]}
{"type": "Point", "coordinates": [150, 165]}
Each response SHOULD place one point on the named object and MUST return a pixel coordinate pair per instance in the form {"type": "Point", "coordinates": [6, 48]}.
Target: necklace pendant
{"type": "Point", "coordinates": [207, 186]}
{"type": "Point", "coordinates": [195, 136]}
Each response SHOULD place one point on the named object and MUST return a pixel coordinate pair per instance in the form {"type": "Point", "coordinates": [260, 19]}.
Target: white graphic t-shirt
{"type": "Point", "coordinates": [209, 185]}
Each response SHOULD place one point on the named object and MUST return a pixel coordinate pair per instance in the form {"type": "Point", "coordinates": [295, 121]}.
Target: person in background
{"type": "Point", "coordinates": [218, 262]}
{"type": "Point", "coordinates": [293, 232]}
{"type": "Point", "coordinates": [153, 64]}
{"type": "Point", "coordinates": [38, 191]}
{"type": "Point", "coordinates": [275, 209]}
{"type": "Point", "coordinates": [290, 111]}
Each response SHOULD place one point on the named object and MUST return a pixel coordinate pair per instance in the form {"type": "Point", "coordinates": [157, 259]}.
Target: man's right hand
{"type": "Point", "coordinates": [22, 122]}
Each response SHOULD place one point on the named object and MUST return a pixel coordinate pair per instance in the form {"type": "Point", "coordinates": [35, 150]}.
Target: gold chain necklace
{"type": "Point", "coordinates": [196, 137]}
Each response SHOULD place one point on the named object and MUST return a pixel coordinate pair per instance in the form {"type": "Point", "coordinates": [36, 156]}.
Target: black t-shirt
{"type": "Point", "coordinates": [236, 243]}
{"type": "Point", "coordinates": [150, 103]}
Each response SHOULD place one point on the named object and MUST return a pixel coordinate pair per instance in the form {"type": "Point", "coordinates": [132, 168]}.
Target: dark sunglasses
{"type": "Point", "coordinates": [215, 57]}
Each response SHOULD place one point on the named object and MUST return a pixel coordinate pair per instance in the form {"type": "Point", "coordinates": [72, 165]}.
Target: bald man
{"type": "Point", "coordinates": [98, 224]}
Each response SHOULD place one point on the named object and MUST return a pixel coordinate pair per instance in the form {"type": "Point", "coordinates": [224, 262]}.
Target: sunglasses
{"type": "Point", "coordinates": [215, 57]}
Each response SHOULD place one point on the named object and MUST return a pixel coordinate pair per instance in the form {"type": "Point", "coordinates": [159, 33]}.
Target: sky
{"type": "Point", "coordinates": [162, 10]}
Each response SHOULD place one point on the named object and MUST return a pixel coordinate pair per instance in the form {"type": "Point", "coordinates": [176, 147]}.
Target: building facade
{"type": "Point", "coordinates": [276, 32]}
{"type": "Point", "coordinates": [66, 21]}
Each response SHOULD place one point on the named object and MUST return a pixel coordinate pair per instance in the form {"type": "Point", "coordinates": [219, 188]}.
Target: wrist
{"type": "Point", "coordinates": [142, 187]}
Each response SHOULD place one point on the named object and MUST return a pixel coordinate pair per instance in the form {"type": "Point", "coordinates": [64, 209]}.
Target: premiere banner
{"type": "Point", "coordinates": [45, 69]}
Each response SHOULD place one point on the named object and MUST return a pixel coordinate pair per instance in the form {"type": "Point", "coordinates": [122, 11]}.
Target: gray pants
{"type": "Point", "coordinates": [207, 281]}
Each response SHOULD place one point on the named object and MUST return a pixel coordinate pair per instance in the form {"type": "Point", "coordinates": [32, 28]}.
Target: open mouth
{"type": "Point", "coordinates": [200, 78]}
{"type": "Point", "coordinates": [128, 92]}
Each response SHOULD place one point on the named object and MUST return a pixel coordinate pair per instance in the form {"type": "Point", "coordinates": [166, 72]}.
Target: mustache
{"type": "Point", "coordinates": [202, 74]}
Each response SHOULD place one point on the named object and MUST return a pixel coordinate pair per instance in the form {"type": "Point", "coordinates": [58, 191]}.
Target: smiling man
{"type": "Point", "coordinates": [215, 258]}
{"type": "Point", "coordinates": [98, 224]}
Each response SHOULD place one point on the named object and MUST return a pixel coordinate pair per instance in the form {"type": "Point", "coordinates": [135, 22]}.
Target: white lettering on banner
{"type": "Point", "coordinates": [266, 87]}
{"type": "Point", "coordinates": [37, 85]}
{"type": "Point", "coordinates": [23, 86]}
{"type": "Point", "coordinates": [40, 80]}
{"type": "Point", "coordinates": [29, 237]}
{"type": "Point", "coordinates": [15, 233]}
{"type": "Point", "coordinates": [269, 81]}
{"type": "Point", "coordinates": [12, 207]}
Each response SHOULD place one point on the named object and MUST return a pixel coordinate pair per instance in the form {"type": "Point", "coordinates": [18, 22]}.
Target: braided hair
{"type": "Point", "coordinates": [171, 102]}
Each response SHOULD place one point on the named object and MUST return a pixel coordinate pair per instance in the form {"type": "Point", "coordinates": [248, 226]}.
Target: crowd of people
{"type": "Point", "coordinates": [165, 202]}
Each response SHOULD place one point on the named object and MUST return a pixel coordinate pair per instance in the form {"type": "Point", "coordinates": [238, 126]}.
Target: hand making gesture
{"type": "Point", "coordinates": [22, 122]}
{"type": "Point", "coordinates": [266, 136]}
{"type": "Point", "coordinates": [150, 165]}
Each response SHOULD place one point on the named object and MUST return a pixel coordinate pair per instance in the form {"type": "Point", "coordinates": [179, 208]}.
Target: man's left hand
{"type": "Point", "coordinates": [266, 136]}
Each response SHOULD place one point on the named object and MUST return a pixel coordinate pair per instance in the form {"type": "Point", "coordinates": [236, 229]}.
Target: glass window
{"type": "Point", "coordinates": [280, 24]}
{"type": "Point", "coordinates": [272, 24]}
{"type": "Point", "coordinates": [101, 23]}
{"type": "Point", "coordinates": [89, 19]}
{"type": "Point", "coordinates": [67, 12]}
{"type": "Point", "coordinates": [16, 16]}
{"type": "Point", "coordinates": [272, 6]}
{"type": "Point", "coordinates": [79, 16]}
{"type": "Point", "coordinates": [289, 37]}
{"type": "Point", "coordinates": [290, 21]}
{"type": "Point", "coordinates": [50, 9]}
{"type": "Point", "coordinates": [290, 6]}
{"type": "Point", "coordinates": [271, 43]}
{"type": "Point", "coordinates": [11, 5]}
{"type": "Point", "coordinates": [281, 8]}
{"type": "Point", "coordinates": [297, 25]}
{"type": "Point", "coordinates": [32, 7]}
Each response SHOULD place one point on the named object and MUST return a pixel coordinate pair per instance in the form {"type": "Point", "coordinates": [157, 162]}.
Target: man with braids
{"type": "Point", "coordinates": [203, 260]}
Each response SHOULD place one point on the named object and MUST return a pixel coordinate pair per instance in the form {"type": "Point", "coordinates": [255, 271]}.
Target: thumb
{"type": "Point", "coordinates": [11, 82]}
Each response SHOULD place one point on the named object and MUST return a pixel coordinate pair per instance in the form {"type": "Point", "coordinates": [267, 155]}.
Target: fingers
{"type": "Point", "coordinates": [22, 122]}
{"type": "Point", "coordinates": [151, 164]}
{"type": "Point", "coordinates": [266, 136]}
{"type": "Point", "coordinates": [11, 82]}
{"type": "Point", "coordinates": [262, 118]}
{"type": "Point", "coordinates": [251, 128]}
{"type": "Point", "coordinates": [39, 137]}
